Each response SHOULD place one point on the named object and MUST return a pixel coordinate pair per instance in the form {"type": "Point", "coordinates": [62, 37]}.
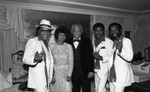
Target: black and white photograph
{"type": "Point", "coordinates": [74, 45]}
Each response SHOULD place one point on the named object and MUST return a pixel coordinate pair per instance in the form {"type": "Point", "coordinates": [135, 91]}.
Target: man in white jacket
{"type": "Point", "coordinates": [121, 74]}
{"type": "Point", "coordinates": [38, 56]}
{"type": "Point", "coordinates": [102, 51]}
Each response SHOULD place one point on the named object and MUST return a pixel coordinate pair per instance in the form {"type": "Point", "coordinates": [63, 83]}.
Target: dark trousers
{"type": "Point", "coordinates": [81, 83]}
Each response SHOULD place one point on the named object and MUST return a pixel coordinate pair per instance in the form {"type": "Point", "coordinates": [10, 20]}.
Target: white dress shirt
{"type": "Point", "coordinates": [76, 43]}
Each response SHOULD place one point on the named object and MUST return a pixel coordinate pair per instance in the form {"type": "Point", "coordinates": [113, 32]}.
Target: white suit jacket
{"type": "Point", "coordinates": [36, 77]}
{"type": "Point", "coordinates": [105, 50]}
{"type": "Point", "coordinates": [123, 68]}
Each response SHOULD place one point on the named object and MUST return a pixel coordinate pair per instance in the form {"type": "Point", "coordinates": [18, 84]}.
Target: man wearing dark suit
{"type": "Point", "coordinates": [83, 60]}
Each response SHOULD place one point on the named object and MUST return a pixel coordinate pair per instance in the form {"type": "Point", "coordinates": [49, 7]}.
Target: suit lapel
{"type": "Point", "coordinates": [45, 50]}
{"type": "Point", "coordinates": [79, 44]}
{"type": "Point", "coordinates": [51, 61]}
{"type": "Point", "coordinates": [99, 46]}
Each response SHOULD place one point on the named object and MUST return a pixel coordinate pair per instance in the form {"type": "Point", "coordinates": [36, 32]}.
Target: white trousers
{"type": "Point", "coordinates": [41, 90]}
{"type": "Point", "coordinates": [114, 88]}
{"type": "Point", "coordinates": [100, 83]}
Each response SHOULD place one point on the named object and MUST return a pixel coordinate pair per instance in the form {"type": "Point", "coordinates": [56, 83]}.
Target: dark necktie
{"type": "Point", "coordinates": [112, 69]}
{"type": "Point", "coordinates": [97, 63]}
{"type": "Point", "coordinates": [46, 75]}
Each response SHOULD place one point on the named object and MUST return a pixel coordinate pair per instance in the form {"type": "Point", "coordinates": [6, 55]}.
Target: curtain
{"type": "Point", "coordinates": [11, 35]}
{"type": "Point", "coordinates": [14, 17]}
{"type": "Point", "coordinates": [141, 40]}
{"type": "Point", "coordinates": [8, 44]}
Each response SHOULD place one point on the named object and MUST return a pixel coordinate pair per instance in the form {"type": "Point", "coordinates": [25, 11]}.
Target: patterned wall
{"type": "Point", "coordinates": [144, 23]}
{"type": "Point", "coordinates": [3, 18]}
{"type": "Point", "coordinates": [142, 35]}
{"type": "Point", "coordinates": [107, 20]}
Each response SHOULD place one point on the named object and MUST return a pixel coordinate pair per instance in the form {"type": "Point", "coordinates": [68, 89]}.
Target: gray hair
{"type": "Point", "coordinates": [78, 25]}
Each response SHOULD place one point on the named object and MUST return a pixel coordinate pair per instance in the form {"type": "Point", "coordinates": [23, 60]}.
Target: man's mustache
{"type": "Point", "coordinates": [115, 35]}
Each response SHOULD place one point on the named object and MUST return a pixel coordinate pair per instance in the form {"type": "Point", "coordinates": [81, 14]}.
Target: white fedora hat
{"type": "Point", "coordinates": [46, 24]}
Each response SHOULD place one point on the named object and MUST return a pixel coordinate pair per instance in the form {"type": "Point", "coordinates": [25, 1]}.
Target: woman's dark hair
{"type": "Point", "coordinates": [61, 29]}
{"type": "Point", "coordinates": [98, 25]}
{"type": "Point", "coordinates": [115, 24]}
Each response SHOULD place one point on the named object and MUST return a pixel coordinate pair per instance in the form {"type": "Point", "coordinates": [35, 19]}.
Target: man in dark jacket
{"type": "Point", "coordinates": [83, 60]}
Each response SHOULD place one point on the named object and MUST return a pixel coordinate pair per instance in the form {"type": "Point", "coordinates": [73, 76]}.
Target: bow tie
{"type": "Point", "coordinates": [74, 40]}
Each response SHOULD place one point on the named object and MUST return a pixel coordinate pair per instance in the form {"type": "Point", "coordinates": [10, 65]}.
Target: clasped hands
{"type": "Point", "coordinates": [118, 45]}
{"type": "Point", "coordinates": [68, 79]}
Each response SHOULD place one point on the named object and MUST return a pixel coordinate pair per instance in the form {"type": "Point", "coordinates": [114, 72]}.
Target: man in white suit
{"type": "Point", "coordinates": [38, 56]}
{"type": "Point", "coordinates": [102, 51]}
{"type": "Point", "coordinates": [121, 74]}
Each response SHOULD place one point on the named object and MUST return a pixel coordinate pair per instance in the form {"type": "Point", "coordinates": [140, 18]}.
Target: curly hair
{"type": "Point", "coordinates": [61, 29]}
{"type": "Point", "coordinates": [98, 25]}
{"type": "Point", "coordinates": [115, 24]}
